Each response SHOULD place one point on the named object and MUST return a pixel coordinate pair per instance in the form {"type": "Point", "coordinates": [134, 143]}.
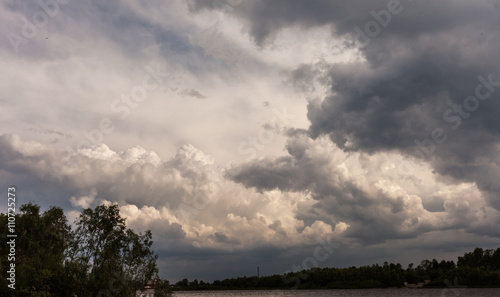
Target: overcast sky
{"type": "Point", "coordinates": [279, 134]}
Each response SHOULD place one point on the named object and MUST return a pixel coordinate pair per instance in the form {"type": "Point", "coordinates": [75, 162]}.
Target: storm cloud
{"type": "Point", "coordinates": [423, 86]}
{"type": "Point", "coordinates": [389, 147]}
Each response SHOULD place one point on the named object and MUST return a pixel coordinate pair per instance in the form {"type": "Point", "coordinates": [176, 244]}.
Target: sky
{"type": "Point", "coordinates": [279, 134]}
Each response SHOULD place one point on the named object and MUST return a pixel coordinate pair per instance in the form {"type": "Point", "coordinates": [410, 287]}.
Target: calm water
{"type": "Point", "coordinates": [351, 293]}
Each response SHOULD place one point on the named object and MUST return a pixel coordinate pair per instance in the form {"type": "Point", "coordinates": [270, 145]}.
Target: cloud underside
{"type": "Point", "coordinates": [316, 191]}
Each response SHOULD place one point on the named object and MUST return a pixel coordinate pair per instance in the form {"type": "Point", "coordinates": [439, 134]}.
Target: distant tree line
{"type": "Point", "coordinates": [101, 257]}
{"type": "Point", "coordinates": [480, 268]}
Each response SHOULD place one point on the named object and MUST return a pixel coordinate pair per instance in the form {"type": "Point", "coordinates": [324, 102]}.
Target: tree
{"type": "Point", "coordinates": [495, 259]}
{"type": "Point", "coordinates": [40, 250]}
{"type": "Point", "coordinates": [162, 288]}
{"type": "Point", "coordinates": [118, 261]}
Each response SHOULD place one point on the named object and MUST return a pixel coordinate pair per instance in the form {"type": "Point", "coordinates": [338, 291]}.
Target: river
{"type": "Point", "coordinates": [448, 292]}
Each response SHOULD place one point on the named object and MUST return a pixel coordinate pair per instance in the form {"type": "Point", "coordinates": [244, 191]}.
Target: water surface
{"type": "Point", "coordinates": [451, 292]}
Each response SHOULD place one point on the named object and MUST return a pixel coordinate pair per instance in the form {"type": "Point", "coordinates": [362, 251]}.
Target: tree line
{"type": "Point", "coordinates": [479, 268]}
{"type": "Point", "coordinates": [100, 257]}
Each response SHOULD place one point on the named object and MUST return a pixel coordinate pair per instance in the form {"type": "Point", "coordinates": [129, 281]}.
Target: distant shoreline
{"type": "Point", "coordinates": [477, 269]}
{"type": "Point", "coordinates": [335, 289]}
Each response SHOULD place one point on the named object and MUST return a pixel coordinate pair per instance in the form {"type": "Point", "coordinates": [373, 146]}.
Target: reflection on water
{"type": "Point", "coordinates": [451, 292]}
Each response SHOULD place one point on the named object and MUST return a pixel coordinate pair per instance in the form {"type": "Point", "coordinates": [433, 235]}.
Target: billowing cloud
{"type": "Point", "coordinates": [84, 201]}
{"type": "Point", "coordinates": [184, 200]}
{"type": "Point", "coordinates": [346, 198]}
{"type": "Point", "coordinates": [376, 196]}
{"type": "Point", "coordinates": [390, 109]}
{"type": "Point", "coordinates": [424, 83]}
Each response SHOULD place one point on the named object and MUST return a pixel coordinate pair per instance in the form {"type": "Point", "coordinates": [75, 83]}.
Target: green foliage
{"type": "Point", "coordinates": [118, 260]}
{"type": "Point", "coordinates": [162, 288]}
{"type": "Point", "coordinates": [40, 245]}
{"type": "Point", "coordinates": [100, 258]}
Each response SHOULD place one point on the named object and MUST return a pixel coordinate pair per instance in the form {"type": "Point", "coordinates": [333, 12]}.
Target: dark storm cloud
{"type": "Point", "coordinates": [267, 18]}
{"type": "Point", "coordinates": [338, 178]}
{"type": "Point", "coordinates": [409, 93]}
{"type": "Point", "coordinates": [373, 215]}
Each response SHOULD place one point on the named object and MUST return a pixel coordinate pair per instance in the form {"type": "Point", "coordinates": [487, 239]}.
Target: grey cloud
{"type": "Point", "coordinates": [426, 60]}
{"type": "Point", "coordinates": [164, 230]}
{"type": "Point", "coordinates": [305, 172]}
{"type": "Point", "coordinates": [49, 132]}
{"type": "Point", "coordinates": [192, 93]}
{"type": "Point", "coordinates": [265, 177]}
{"type": "Point", "coordinates": [304, 77]}
{"type": "Point", "coordinates": [267, 18]}
{"type": "Point", "coordinates": [395, 91]}
{"type": "Point", "coordinates": [374, 214]}
{"type": "Point", "coordinates": [223, 238]}
{"type": "Point", "coordinates": [129, 28]}
{"type": "Point", "coordinates": [183, 198]}
{"type": "Point", "coordinates": [276, 227]}
{"type": "Point", "coordinates": [209, 264]}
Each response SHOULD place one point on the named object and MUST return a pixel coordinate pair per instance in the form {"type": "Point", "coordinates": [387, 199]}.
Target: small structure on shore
{"type": "Point", "coordinates": [148, 291]}
{"type": "Point", "coordinates": [418, 285]}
